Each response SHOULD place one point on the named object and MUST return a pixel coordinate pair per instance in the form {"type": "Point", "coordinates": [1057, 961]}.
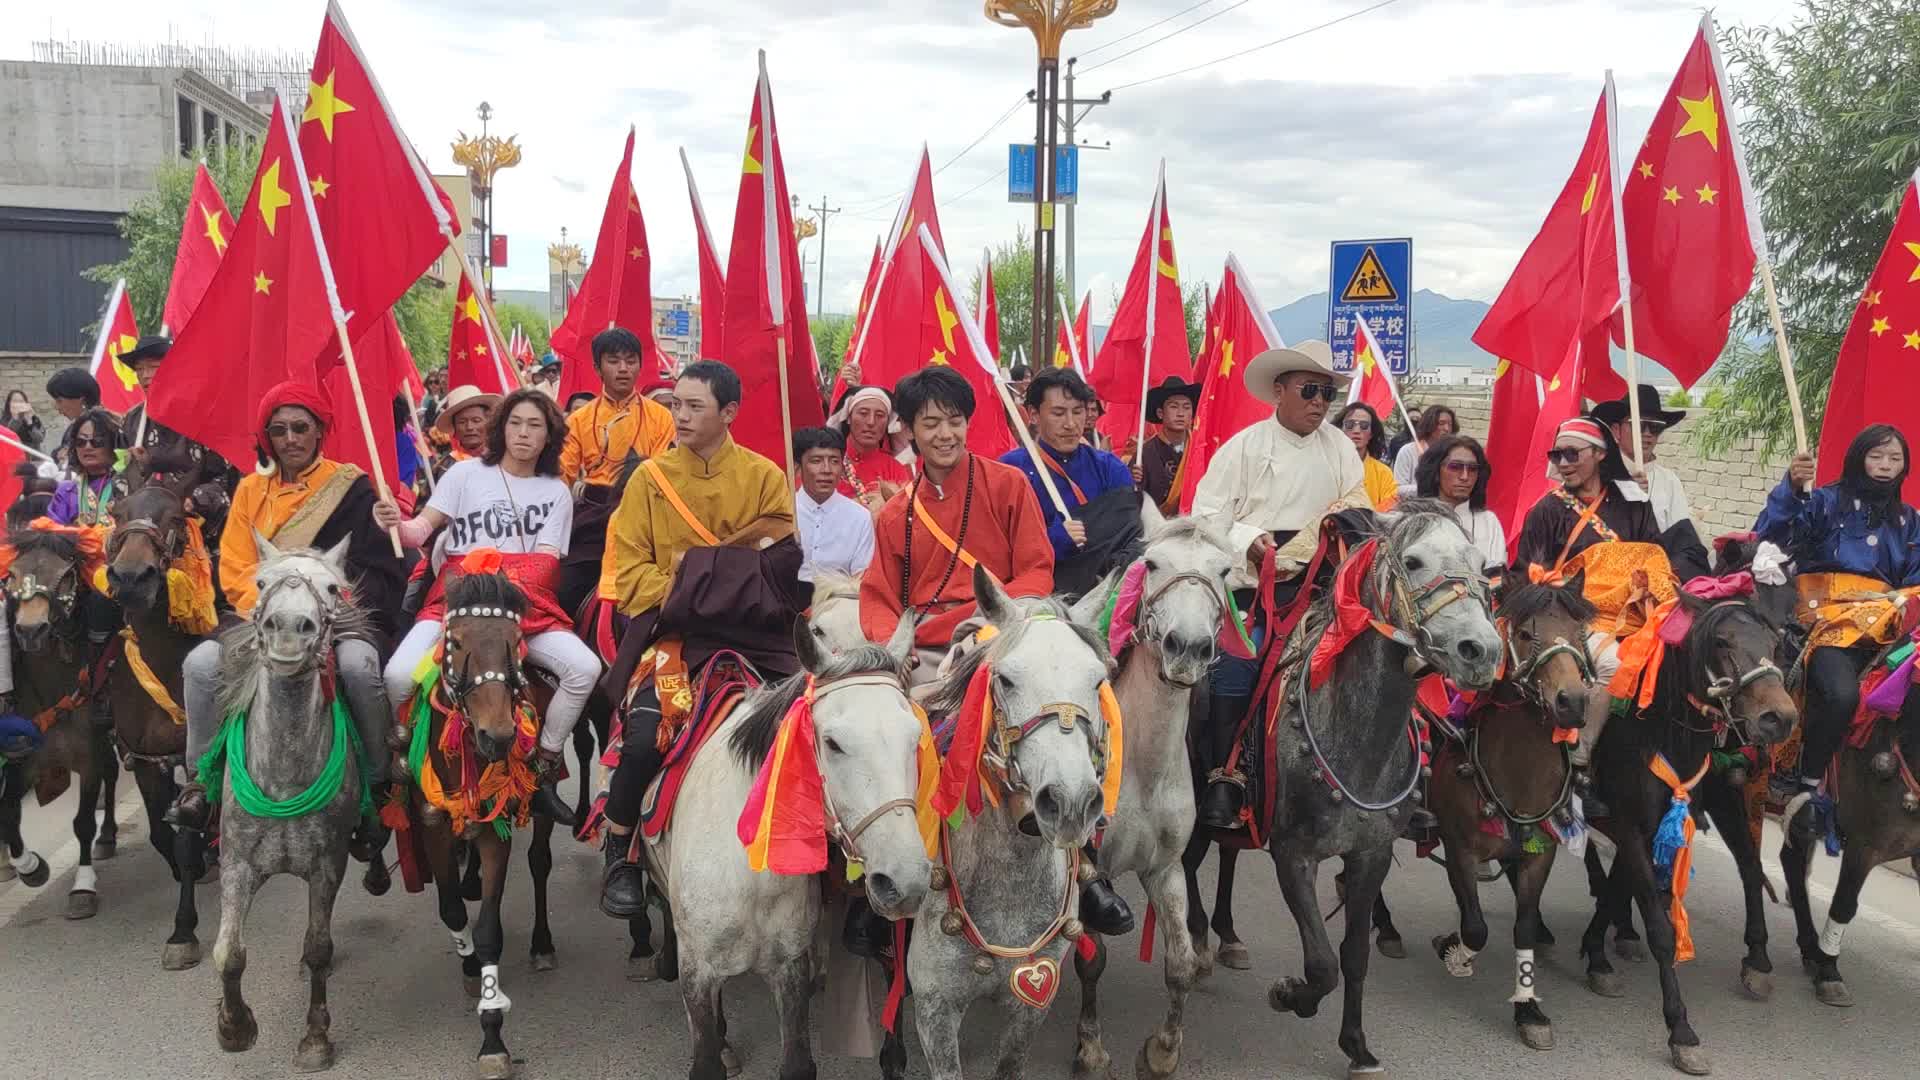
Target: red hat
{"type": "Point", "coordinates": [298, 394]}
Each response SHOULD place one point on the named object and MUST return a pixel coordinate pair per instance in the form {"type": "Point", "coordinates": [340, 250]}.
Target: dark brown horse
{"type": "Point", "coordinates": [149, 535]}
{"type": "Point", "coordinates": [1503, 778]}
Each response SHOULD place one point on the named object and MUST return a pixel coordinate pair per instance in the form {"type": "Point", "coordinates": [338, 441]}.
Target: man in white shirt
{"type": "Point", "coordinates": [1664, 489]}
{"type": "Point", "coordinates": [836, 533]}
{"type": "Point", "coordinates": [1268, 488]}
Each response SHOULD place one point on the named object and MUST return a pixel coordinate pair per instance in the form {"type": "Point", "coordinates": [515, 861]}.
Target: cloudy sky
{"type": "Point", "coordinates": [1452, 121]}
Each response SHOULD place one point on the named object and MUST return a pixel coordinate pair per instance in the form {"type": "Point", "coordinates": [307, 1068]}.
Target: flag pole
{"type": "Point", "coordinates": [1626, 278]}
{"type": "Point", "coordinates": [366, 424]}
{"type": "Point", "coordinates": [1153, 293]}
{"type": "Point", "coordinates": [773, 243]}
{"type": "Point", "coordinates": [1785, 354]}
{"type": "Point", "coordinates": [419, 439]}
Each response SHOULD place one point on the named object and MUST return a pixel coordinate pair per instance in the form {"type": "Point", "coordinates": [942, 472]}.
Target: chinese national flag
{"type": "Point", "coordinates": [766, 311]}
{"type": "Point", "coordinates": [13, 453]}
{"type": "Point", "coordinates": [1514, 482]}
{"type": "Point", "coordinates": [713, 275]}
{"type": "Point", "coordinates": [119, 388]}
{"type": "Point", "coordinates": [1240, 329]}
{"type": "Point", "coordinates": [382, 219]}
{"type": "Point", "coordinates": [1148, 339]}
{"type": "Point", "coordinates": [949, 336]}
{"type": "Point", "coordinates": [1689, 242]}
{"type": "Point", "coordinates": [616, 291]}
{"type": "Point", "coordinates": [1374, 386]}
{"type": "Point", "coordinates": [1070, 345]}
{"type": "Point", "coordinates": [381, 357]}
{"type": "Point", "coordinates": [889, 344]}
{"type": "Point", "coordinates": [472, 359]}
{"type": "Point", "coordinates": [1568, 281]}
{"type": "Point", "coordinates": [989, 314]}
{"type": "Point", "coordinates": [1876, 377]}
{"type": "Point", "coordinates": [265, 317]}
{"type": "Point", "coordinates": [203, 240]}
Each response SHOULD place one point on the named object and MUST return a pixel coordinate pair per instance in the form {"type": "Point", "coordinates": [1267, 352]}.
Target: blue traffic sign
{"type": "Point", "coordinates": [1022, 173]}
{"type": "Point", "coordinates": [1371, 280]}
{"type": "Point", "coordinates": [1066, 174]}
{"type": "Point", "coordinates": [676, 323]}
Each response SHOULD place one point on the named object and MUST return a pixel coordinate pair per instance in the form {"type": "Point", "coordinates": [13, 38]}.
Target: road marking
{"type": "Point", "coordinates": [1819, 895]}
{"type": "Point", "coordinates": [17, 896]}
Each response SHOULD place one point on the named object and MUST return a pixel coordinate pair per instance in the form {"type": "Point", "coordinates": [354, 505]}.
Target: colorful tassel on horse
{"type": "Point", "coordinates": [1673, 849]}
{"type": "Point", "coordinates": [1116, 748]}
{"type": "Point", "coordinates": [960, 772]}
{"type": "Point", "coordinates": [784, 823]}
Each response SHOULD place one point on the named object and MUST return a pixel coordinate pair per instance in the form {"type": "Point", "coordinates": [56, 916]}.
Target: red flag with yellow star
{"type": "Point", "coordinates": [472, 358]}
{"type": "Point", "coordinates": [203, 240]}
{"type": "Point", "coordinates": [889, 342]}
{"type": "Point", "coordinates": [1374, 386]}
{"type": "Point", "coordinates": [951, 337]}
{"type": "Point", "coordinates": [1689, 236]}
{"type": "Point", "coordinates": [766, 304]}
{"type": "Point", "coordinates": [382, 219]}
{"type": "Point", "coordinates": [989, 314]}
{"type": "Point", "coordinates": [119, 389]}
{"type": "Point", "coordinates": [1511, 481]}
{"type": "Point", "coordinates": [1239, 330]}
{"type": "Point", "coordinates": [859, 318]}
{"type": "Point", "coordinates": [1070, 344]}
{"type": "Point", "coordinates": [265, 317]}
{"type": "Point", "coordinates": [617, 289]}
{"type": "Point", "coordinates": [713, 273]}
{"type": "Point", "coordinates": [1148, 338]}
{"type": "Point", "coordinates": [1876, 376]}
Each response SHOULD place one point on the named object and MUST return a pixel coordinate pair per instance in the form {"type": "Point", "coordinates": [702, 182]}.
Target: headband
{"type": "Point", "coordinates": [1583, 430]}
{"type": "Point", "coordinates": [865, 393]}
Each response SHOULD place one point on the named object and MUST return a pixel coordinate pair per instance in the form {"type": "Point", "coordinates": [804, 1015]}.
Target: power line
{"type": "Point", "coordinates": [1267, 45]}
{"type": "Point", "coordinates": [1136, 33]}
{"type": "Point", "coordinates": [1169, 34]}
{"type": "Point", "coordinates": [866, 206]}
{"type": "Point", "coordinates": [974, 188]}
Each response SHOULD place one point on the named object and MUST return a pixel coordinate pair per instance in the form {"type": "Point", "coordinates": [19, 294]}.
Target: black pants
{"type": "Point", "coordinates": [1833, 696]}
{"type": "Point", "coordinates": [640, 759]}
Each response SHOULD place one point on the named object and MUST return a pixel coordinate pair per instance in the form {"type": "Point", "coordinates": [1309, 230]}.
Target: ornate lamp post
{"type": "Point", "coordinates": [484, 155]}
{"type": "Point", "coordinates": [1048, 21]}
{"type": "Point", "coordinates": [567, 257]}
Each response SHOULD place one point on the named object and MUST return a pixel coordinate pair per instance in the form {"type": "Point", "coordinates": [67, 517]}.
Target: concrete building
{"type": "Point", "coordinates": [676, 327]}
{"type": "Point", "coordinates": [459, 188]}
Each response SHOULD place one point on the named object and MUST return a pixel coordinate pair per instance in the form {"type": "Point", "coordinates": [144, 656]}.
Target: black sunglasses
{"type": "Point", "coordinates": [1565, 455]}
{"type": "Point", "coordinates": [1463, 467]}
{"type": "Point", "coordinates": [93, 442]}
{"type": "Point", "coordinates": [1356, 423]}
{"type": "Point", "coordinates": [290, 427]}
{"type": "Point", "coordinates": [1324, 390]}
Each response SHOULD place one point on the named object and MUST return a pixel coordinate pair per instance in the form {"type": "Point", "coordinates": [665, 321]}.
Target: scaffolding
{"type": "Point", "coordinates": [253, 75]}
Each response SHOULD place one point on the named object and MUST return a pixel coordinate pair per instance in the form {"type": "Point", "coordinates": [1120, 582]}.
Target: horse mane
{"type": "Point", "coordinates": [1408, 521]}
{"type": "Point", "coordinates": [828, 584]}
{"type": "Point", "coordinates": [763, 709]}
{"type": "Point", "coordinates": [484, 590]}
{"type": "Point", "coordinates": [946, 695]}
{"type": "Point", "coordinates": [60, 545]}
{"type": "Point", "coordinates": [27, 508]}
{"type": "Point", "coordinates": [1522, 600]}
{"type": "Point", "coordinates": [240, 666]}
{"type": "Point", "coordinates": [1188, 528]}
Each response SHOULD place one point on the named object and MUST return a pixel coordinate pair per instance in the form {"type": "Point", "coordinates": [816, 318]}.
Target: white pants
{"type": "Point", "coordinates": [1605, 652]}
{"type": "Point", "coordinates": [555, 650]}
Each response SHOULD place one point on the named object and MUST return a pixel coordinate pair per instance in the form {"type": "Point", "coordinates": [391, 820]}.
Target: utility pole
{"type": "Point", "coordinates": [1068, 120]}
{"type": "Point", "coordinates": [820, 299]}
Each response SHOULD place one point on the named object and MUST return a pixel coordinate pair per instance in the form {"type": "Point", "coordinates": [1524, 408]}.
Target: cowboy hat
{"type": "Point", "coordinates": [1171, 387]}
{"type": "Point", "coordinates": [152, 347]}
{"type": "Point", "coordinates": [1315, 357]}
{"type": "Point", "coordinates": [1651, 409]}
{"type": "Point", "coordinates": [464, 396]}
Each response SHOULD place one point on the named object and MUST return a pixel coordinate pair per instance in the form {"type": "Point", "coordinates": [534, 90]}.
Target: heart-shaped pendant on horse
{"type": "Point", "coordinates": [1036, 981]}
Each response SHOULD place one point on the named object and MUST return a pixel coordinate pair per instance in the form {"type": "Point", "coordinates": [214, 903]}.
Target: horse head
{"type": "Point", "coordinates": [1546, 648]}
{"type": "Point", "coordinates": [1048, 735]}
{"type": "Point", "coordinates": [1432, 587]}
{"type": "Point", "coordinates": [1183, 599]}
{"type": "Point", "coordinates": [866, 743]}
{"type": "Point", "coordinates": [835, 622]}
{"type": "Point", "coordinates": [45, 585]}
{"type": "Point", "coordinates": [1730, 671]}
{"type": "Point", "coordinates": [302, 594]}
{"type": "Point", "coordinates": [480, 662]}
{"type": "Point", "coordinates": [149, 532]}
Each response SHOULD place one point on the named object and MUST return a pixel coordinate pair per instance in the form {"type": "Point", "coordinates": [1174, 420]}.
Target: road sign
{"type": "Point", "coordinates": [676, 323]}
{"type": "Point", "coordinates": [1371, 280]}
{"type": "Point", "coordinates": [1066, 174]}
{"type": "Point", "coordinates": [1022, 174]}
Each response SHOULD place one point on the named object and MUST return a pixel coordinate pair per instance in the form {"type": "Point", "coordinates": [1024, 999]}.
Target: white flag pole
{"type": "Point", "coordinates": [1626, 277]}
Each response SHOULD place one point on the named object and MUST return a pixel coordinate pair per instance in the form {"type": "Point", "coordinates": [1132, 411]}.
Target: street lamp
{"type": "Point", "coordinates": [484, 155]}
{"type": "Point", "coordinates": [567, 257]}
{"type": "Point", "coordinates": [1048, 21]}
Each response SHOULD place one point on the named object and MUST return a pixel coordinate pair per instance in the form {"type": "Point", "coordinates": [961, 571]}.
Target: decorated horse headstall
{"type": "Point", "coordinates": [456, 684]}
{"type": "Point", "coordinates": [1129, 612]}
{"type": "Point", "coordinates": [1410, 604]}
{"type": "Point", "coordinates": [1717, 700]}
{"type": "Point", "coordinates": [62, 594]}
{"type": "Point", "coordinates": [323, 631]}
{"type": "Point", "coordinates": [1521, 671]}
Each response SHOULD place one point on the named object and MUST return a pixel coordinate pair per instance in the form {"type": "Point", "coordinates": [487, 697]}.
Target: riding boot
{"type": "Point", "coordinates": [866, 933]}
{"type": "Point", "coordinates": [1102, 910]}
{"type": "Point", "coordinates": [550, 768]}
{"type": "Point", "coordinates": [191, 808]}
{"type": "Point", "coordinates": [1226, 791]}
{"type": "Point", "coordinates": [1599, 710]}
{"type": "Point", "coordinates": [623, 890]}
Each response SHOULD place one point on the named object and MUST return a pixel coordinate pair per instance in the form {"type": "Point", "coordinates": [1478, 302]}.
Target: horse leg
{"type": "Point", "coordinates": [1511, 869]}
{"type": "Point", "coordinates": [1529, 877]}
{"type": "Point", "coordinates": [1601, 978]}
{"type": "Point", "coordinates": [1016, 1039]}
{"type": "Point", "coordinates": [1795, 852]}
{"type": "Point", "coordinates": [1636, 860]}
{"type": "Point", "coordinates": [156, 794]}
{"type": "Point", "coordinates": [1727, 808]}
{"type": "Point", "coordinates": [540, 862]}
{"type": "Point", "coordinates": [640, 956]}
{"type": "Point", "coordinates": [1090, 1057]}
{"type": "Point", "coordinates": [234, 1024]}
{"type": "Point", "coordinates": [492, 853]}
{"type": "Point", "coordinates": [1390, 944]}
{"type": "Point", "coordinates": [106, 843]}
{"type": "Point", "coordinates": [316, 953]}
{"type": "Point", "coordinates": [181, 849]}
{"type": "Point", "coordinates": [1366, 873]}
{"type": "Point", "coordinates": [583, 753]}
{"type": "Point", "coordinates": [1856, 861]}
{"type": "Point", "coordinates": [792, 994]}
{"type": "Point", "coordinates": [1160, 1054]}
{"type": "Point", "coordinates": [453, 907]}
{"type": "Point", "coordinates": [1301, 996]}
{"type": "Point", "coordinates": [1232, 951]}
{"type": "Point", "coordinates": [28, 866]}
{"type": "Point", "coordinates": [1458, 949]}
{"type": "Point", "coordinates": [83, 899]}
{"type": "Point", "coordinates": [470, 874]}
{"type": "Point", "coordinates": [1190, 860]}
{"type": "Point", "coordinates": [701, 994]}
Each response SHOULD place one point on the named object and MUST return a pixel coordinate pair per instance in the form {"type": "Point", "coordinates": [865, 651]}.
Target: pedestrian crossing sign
{"type": "Point", "coordinates": [1369, 282]}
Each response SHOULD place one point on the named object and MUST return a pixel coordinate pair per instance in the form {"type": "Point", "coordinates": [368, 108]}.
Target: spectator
{"type": "Point", "coordinates": [836, 533]}
{"type": "Point", "coordinates": [21, 419]}
{"type": "Point", "coordinates": [73, 391]}
{"type": "Point", "coordinates": [1434, 423]}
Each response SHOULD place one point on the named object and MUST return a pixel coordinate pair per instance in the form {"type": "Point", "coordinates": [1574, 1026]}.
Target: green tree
{"type": "Point", "coordinates": [1013, 295]}
{"type": "Point", "coordinates": [1678, 398]}
{"type": "Point", "coordinates": [152, 226]}
{"type": "Point", "coordinates": [425, 315]}
{"type": "Point", "coordinates": [830, 337]}
{"type": "Point", "coordinates": [531, 322]}
{"type": "Point", "coordinates": [1828, 124]}
{"type": "Point", "coordinates": [1194, 304]}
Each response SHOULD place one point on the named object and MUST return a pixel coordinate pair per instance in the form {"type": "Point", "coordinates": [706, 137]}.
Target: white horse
{"type": "Point", "coordinates": [835, 621]}
{"type": "Point", "coordinates": [1001, 918]}
{"type": "Point", "coordinates": [1182, 606]}
{"type": "Point", "coordinates": [730, 920]}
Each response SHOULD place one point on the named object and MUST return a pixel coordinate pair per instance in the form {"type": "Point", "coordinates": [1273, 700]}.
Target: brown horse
{"type": "Point", "coordinates": [50, 672]}
{"type": "Point", "coordinates": [1507, 769]}
{"type": "Point", "coordinates": [149, 534]}
{"type": "Point", "coordinates": [482, 688]}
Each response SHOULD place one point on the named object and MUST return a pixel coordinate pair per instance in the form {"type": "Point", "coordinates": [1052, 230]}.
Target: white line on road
{"type": "Point", "coordinates": [61, 863]}
{"type": "Point", "coordinates": [1818, 892]}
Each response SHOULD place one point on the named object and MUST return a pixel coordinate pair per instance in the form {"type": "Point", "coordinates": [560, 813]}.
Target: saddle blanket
{"type": "Point", "coordinates": [715, 702]}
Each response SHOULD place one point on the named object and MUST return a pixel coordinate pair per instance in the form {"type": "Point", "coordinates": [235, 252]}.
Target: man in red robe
{"type": "Point", "coordinates": [873, 475]}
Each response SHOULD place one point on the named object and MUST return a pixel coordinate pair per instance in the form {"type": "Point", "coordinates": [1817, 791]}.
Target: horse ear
{"type": "Point", "coordinates": [994, 603]}
{"type": "Point", "coordinates": [804, 645]}
{"type": "Point", "coordinates": [900, 645]}
{"type": "Point", "coordinates": [1086, 610]}
{"type": "Point", "coordinates": [1577, 583]}
{"type": "Point", "coordinates": [265, 547]}
{"type": "Point", "coordinates": [1151, 519]}
{"type": "Point", "coordinates": [336, 556]}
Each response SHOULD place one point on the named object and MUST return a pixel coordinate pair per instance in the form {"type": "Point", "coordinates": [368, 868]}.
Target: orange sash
{"type": "Point", "coordinates": [940, 535]}
{"type": "Point", "coordinates": [679, 505]}
{"type": "Point", "coordinates": [1061, 472]}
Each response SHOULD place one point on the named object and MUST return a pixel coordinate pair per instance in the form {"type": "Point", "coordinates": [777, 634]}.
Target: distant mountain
{"type": "Point", "coordinates": [1442, 326]}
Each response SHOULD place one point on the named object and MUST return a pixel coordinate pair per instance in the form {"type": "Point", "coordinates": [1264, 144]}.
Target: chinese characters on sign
{"type": "Point", "coordinates": [1371, 280]}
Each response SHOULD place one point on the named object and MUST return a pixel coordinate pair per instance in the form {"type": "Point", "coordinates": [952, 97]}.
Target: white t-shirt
{"type": "Point", "coordinates": [485, 507]}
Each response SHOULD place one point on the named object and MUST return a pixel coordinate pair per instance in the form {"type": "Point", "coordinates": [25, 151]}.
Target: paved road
{"type": "Point", "coordinates": [88, 999]}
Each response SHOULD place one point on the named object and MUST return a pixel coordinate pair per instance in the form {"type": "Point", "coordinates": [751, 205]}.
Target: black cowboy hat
{"type": "Point", "coordinates": [152, 347]}
{"type": "Point", "coordinates": [1171, 387]}
{"type": "Point", "coordinates": [1651, 409]}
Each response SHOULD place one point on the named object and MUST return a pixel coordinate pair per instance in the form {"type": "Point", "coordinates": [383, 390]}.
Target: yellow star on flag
{"type": "Point", "coordinates": [1879, 328]}
{"type": "Point", "coordinates": [1646, 169]}
{"type": "Point", "coordinates": [471, 309]}
{"type": "Point", "coordinates": [635, 252]}
{"type": "Point", "coordinates": [1060, 357]}
{"type": "Point", "coordinates": [1586, 201]}
{"type": "Point", "coordinates": [119, 345]}
{"type": "Point", "coordinates": [214, 236]}
{"type": "Point", "coordinates": [1706, 193]}
{"type": "Point", "coordinates": [1226, 356]}
{"type": "Point", "coordinates": [1913, 340]}
{"type": "Point", "coordinates": [752, 164]}
{"type": "Point", "coordinates": [1363, 362]}
{"type": "Point", "coordinates": [1873, 298]}
{"type": "Point", "coordinates": [479, 350]}
{"type": "Point", "coordinates": [1702, 119]}
{"type": "Point", "coordinates": [272, 197]}
{"type": "Point", "coordinates": [323, 106]}
{"type": "Point", "coordinates": [262, 283]}
{"type": "Point", "coordinates": [1672, 195]}
{"type": "Point", "coordinates": [948, 320]}
{"type": "Point", "coordinates": [1167, 266]}
{"type": "Point", "coordinates": [320, 187]}
{"type": "Point", "coordinates": [1914, 250]}
{"type": "Point", "coordinates": [1554, 385]}
{"type": "Point", "coordinates": [1501, 368]}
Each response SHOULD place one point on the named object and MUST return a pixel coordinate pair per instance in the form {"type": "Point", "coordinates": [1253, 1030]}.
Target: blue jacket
{"type": "Point", "coordinates": [1826, 531]}
{"type": "Point", "coordinates": [1094, 471]}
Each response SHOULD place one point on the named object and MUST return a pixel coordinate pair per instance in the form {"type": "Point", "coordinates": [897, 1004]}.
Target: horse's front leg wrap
{"type": "Point", "coordinates": [493, 998]}
{"type": "Point", "coordinates": [1523, 977]}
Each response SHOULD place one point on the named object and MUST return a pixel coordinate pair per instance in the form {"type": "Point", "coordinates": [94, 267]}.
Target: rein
{"type": "Point", "coordinates": [849, 838]}
{"type": "Point", "coordinates": [1721, 691]}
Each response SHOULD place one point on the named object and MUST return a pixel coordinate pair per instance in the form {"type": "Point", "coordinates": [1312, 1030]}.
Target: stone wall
{"type": "Point", "coordinates": [1727, 490]}
{"type": "Point", "coordinates": [29, 371]}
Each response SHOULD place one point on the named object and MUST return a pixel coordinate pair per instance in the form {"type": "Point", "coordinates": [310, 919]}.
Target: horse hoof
{"type": "Point", "coordinates": [180, 955]}
{"type": "Point", "coordinates": [1234, 954]}
{"type": "Point", "coordinates": [730, 1059]}
{"type": "Point", "coordinates": [1607, 984]}
{"type": "Point", "coordinates": [640, 969]}
{"type": "Point", "coordinates": [1537, 1036]}
{"type": "Point", "coordinates": [471, 984]}
{"type": "Point", "coordinates": [1092, 1063]}
{"type": "Point", "coordinates": [493, 1067]}
{"type": "Point", "coordinates": [237, 1034]}
{"type": "Point", "coordinates": [1630, 949]}
{"type": "Point", "coordinates": [105, 849]}
{"type": "Point", "coordinates": [1157, 1060]}
{"type": "Point", "coordinates": [83, 905]}
{"type": "Point", "coordinates": [1287, 996]}
{"type": "Point", "coordinates": [38, 875]}
{"type": "Point", "coordinates": [1757, 984]}
{"type": "Point", "coordinates": [316, 1055]}
{"type": "Point", "coordinates": [544, 961]}
{"type": "Point", "coordinates": [1834, 993]}
{"type": "Point", "coordinates": [1691, 1060]}
{"type": "Point", "coordinates": [1392, 948]}
{"type": "Point", "coordinates": [1203, 957]}
{"type": "Point", "coordinates": [1366, 1072]}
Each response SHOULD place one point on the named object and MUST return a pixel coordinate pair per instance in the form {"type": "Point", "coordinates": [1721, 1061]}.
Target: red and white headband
{"type": "Point", "coordinates": [1583, 430]}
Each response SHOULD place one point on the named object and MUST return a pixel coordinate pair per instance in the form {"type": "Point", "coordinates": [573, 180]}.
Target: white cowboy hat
{"type": "Point", "coordinates": [1315, 357]}
{"type": "Point", "coordinates": [464, 396]}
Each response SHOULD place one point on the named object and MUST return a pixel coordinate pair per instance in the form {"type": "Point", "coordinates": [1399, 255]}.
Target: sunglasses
{"type": "Point", "coordinates": [92, 442]}
{"type": "Point", "coordinates": [1323, 390]}
{"type": "Point", "coordinates": [290, 427]}
{"type": "Point", "coordinates": [1565, 455]}
{"type": "Point", "coordinates": [1357, 424]}
{"type": "Point", "coordinates": [1463, 468]}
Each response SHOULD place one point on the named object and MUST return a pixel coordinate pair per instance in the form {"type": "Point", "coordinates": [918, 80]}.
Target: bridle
{"type": "Point", "coordinates": [328, 613]}
{"type": "Point", "coordinates": [457, 684]}
{"type": "Point", "coordinates": [837, 830]}
{"type": "Point", "coordinates": [1722, 692]}
{"type": "Point", "coordinates": [1215, 597]}
{"type": "Point", "coordinates": [1521, 670]}
{"type": "Point", "coordinates": [63, 595]}
{"type": "Point", "coordinates": [997, 757]}
{"type": "Point", "coordinates": [170, 544]}
{"type": "Point", "coordinates": [1410, 606]}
